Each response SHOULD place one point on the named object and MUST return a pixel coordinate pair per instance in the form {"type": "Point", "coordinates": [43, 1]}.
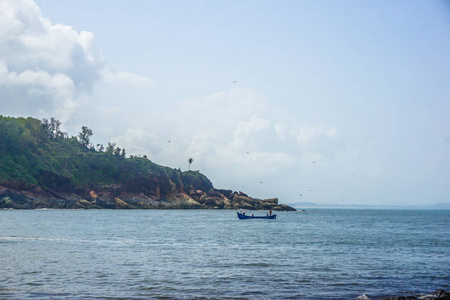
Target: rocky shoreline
{"type": "Point", "coordinates": [116, 197]}
{"type": "Point", "coordinates": [440, 294]}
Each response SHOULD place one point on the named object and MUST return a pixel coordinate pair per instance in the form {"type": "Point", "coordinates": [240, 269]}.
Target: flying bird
{"type": "Point", "coordinates": [314, 162]}
{"type": "Point", "coordinates": [260, 182]}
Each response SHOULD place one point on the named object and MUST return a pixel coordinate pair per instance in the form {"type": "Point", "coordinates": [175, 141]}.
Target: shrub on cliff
{"type": "Point", "coordinates": [194, 180]}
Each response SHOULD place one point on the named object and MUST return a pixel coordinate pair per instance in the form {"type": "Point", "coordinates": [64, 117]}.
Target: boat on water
{"type": "Point", "coordinates": [244, 216]}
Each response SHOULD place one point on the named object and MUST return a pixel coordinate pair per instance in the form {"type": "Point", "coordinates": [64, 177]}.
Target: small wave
{"type": "Point", "coordinates": [264, 265]}
{"type": "Point", "coordinates": [13, 238]}
{"type": "Point", "coordinates": [34, 283]}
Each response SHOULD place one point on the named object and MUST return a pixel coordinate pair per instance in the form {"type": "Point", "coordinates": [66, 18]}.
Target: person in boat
{"type": "Point", "coordinates": [270, 212]}
{"type": "Point", "coordinates": [253, 215]}
{"type": "Point", "coordinates": [243, 213]}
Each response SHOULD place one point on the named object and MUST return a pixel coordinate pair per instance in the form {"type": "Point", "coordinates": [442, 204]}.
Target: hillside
{"type": "Point", "coordinates": [42, 167]}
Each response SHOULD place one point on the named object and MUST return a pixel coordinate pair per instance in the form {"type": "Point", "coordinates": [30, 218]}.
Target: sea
{"type": "Point", "coordinates": [211, 254]}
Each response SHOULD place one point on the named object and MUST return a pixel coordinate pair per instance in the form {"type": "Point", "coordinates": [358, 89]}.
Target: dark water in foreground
{"type": "Point", "coordinates": [165, 254]}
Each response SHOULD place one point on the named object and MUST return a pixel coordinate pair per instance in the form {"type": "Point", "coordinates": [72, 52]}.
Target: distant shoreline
{"type": "Point", "coordinates": [311, 205]}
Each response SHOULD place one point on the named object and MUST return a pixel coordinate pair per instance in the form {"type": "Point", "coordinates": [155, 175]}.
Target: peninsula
{"type": "Point", "coordinates": [42, 167]}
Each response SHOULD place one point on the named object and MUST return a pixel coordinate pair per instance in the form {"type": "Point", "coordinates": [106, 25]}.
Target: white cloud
{"type": "Point", "coordinates": [319, 141]}
{"type": "Point", "coordinates": [282, 130]}
{"type": "Point", "coordinates": [246, 129]}
{"type": "Point", "coordinates": [47, 69]}
{"type": "Point", "coordinates": [232, 135]}
{"type": "Point", "coordinates": [116, 77]}
{"type": "Point", "coordinates": [140, 141]}
{"type": "Point", "coordinates": [310, 133]}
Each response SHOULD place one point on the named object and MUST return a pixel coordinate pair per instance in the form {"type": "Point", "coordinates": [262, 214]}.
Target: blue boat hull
{"type": "Point", "coordinates": [242, 217]}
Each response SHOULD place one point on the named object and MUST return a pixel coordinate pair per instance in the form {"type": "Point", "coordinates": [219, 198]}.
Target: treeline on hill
{"type": "Point", "coordinates": [36, 153]}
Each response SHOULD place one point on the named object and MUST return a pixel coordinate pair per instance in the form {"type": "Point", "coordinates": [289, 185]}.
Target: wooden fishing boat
{"type": "Point", "coordinates": [243, 216]}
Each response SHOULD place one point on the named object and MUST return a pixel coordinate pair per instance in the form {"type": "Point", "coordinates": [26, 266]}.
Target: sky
{"type": "Point", "coordinates": [337, 102]}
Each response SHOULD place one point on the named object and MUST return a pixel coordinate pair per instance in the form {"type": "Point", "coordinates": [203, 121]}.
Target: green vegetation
{"type": "Point", "coordinates": [37, 153]}
{"type": "Point", "coordinates": [196, 180]}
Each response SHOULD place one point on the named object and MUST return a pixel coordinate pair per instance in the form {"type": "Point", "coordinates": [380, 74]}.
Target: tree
{"type": "Point", "coordinates": [84, 136]}
{"type": "Point", "coordinates": [123, 153]}
{"type": "Point", "coordinates": [110, 148]}
{"type": "Point", "coordinates": [55, 127]}
{"type": "Point", "coordinates": [190, 160]}
{"type": "Point", "coordinates": [117, 151]}
{"type": "Point", "coordinates": [52, 127]}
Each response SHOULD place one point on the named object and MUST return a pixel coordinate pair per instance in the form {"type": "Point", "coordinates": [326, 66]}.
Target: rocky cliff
{"type": "Point", "coordinates": [117, 197]}
{"type": "Point", "coordinates": [42, 167]}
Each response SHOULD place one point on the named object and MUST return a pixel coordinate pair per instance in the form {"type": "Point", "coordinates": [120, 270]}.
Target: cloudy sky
{"type": "Point", "coordinates": [324, 101]}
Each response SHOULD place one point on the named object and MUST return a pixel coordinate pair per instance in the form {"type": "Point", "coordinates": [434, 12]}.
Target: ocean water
{"type": "Point", "coordinates": [211, 254]}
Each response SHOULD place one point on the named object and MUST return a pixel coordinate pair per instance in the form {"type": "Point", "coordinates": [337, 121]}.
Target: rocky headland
{"type": "Point", "coordinates": [117, 197]}
{"type": "Point", "coordinates": [42, 167]}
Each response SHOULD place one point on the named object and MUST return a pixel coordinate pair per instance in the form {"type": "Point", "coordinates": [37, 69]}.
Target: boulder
{"type": "Point", "coordinates": [242, 194]}
{"type": "Point", "coordinates": [209, 201]}
{"type": "Point", "coordinates": [215, 193]}
{"type": "Point", "coordinates": [121, 203]}
{"type": "Point", "coordinates": [227, 204]}
{"type": "Point", "coordinates": [82, 203]}
{"type": "Point", "coordinates": [245, 205]}
{"type": "Point", "coordinates": [285, 207]}
{"type": "Point", "coordinates": [192, 203]}
{"type": "Point", "coordinates": [439, 294]}
{"type": "Point", "coordinates": [93, 195]}
{"type": "Point", "coordinates": [11, 194]}
{"type": "Point", "coordinates": [226, 193]}
{"type": "Point", "coordinates": [271, 201]}
{"type": "Point", "coordinates": [401, 298]}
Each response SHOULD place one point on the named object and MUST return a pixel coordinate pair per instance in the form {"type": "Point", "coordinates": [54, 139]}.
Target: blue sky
{"type": "Point", "coordinates": [253, 91]}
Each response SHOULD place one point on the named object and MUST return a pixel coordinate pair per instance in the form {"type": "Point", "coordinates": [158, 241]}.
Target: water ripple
{"type": "Point", "coordinates": [326, 254]}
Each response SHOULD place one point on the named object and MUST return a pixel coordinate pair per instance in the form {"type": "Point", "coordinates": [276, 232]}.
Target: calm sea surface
{"type": "Point", "coordinates": [209, 254]}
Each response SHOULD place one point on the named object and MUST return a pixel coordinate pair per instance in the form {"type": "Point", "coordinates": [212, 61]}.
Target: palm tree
{"type": "Point", "coordinates": [190, 160]}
